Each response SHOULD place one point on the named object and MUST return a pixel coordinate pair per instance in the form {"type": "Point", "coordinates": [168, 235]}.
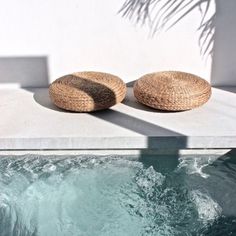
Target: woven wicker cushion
{"type": "Point", "coordinates": [172, 90]}
{"type": "Point", "coordinates": [87, 91]}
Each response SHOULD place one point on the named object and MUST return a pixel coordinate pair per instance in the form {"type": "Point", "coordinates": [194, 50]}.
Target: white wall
{"type": "Point", "coordinates": [76, 35]}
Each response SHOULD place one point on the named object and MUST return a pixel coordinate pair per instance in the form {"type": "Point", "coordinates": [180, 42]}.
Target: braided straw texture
{"type": "Point", "coordinates": [87, 91]}
{"type": "Point", "coordinates": [172, 90]}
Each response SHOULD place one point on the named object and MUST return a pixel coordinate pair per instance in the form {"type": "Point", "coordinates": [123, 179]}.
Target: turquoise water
{"type": "Point", "coordinates": [117, 196]}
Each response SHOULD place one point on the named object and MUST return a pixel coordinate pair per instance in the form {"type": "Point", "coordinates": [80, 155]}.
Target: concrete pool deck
{"type": "Point", "coordinates": [28, 121]}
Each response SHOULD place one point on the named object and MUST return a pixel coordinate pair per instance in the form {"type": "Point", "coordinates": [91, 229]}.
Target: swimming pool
{"type": "Point", "coordinates": [117, 195]}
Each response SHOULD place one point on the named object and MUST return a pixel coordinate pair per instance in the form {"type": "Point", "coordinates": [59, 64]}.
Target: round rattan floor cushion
{"type": "Point", "coordinates": [87, 91]}
{"type": "Point", "coordinates": [172, 90]}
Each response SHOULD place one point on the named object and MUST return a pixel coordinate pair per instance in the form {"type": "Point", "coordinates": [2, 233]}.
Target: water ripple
{"type": "Point", "coordinates": [114, 196]}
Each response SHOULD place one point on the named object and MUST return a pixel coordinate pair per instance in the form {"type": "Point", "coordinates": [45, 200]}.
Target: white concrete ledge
{"type": "Point", "coordinates": [28, 120]}
{"type": "Point", "coordinates": [119, 152]}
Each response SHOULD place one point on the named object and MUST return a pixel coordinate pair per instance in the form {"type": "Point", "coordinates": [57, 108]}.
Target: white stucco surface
{"type": "Point", "coordinates": [28, 120]}
{"type": "Point", "coordinates": [43, 40]}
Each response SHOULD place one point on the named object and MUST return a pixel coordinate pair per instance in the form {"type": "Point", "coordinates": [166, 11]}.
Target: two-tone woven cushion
{"type": "Point", "coordinates": [87, 91]}
{"type": "Point", "coordinates": [172, 90]}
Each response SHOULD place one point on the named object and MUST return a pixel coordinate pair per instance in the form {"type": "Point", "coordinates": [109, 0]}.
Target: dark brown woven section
{"type": "Point", "coordinates": [172, 90]}
{"type": "Point", "coordinates": [87, 91]}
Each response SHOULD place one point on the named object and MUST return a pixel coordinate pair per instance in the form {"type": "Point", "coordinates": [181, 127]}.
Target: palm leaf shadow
{"type": "Point", "coordinates": [162, 15]}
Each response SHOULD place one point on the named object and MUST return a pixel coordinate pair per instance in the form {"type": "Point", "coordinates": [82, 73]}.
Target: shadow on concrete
{"type": "Point", "coordinates": [130, 83]}
{"type": "Point", "coordinates": [152, 132]}
{"type": "Point", "coordinates": [24, 71]}
{"type": "Point", "coordinates": [132, 123]}
{"type": "Point", "coordinates": [137, 105]}
{"type": "Point", "coordinates": [41, 96]}
{"type": "Point", "coordinates": [157, 136]}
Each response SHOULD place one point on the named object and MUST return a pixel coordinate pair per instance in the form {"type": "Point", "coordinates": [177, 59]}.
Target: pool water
{"type": "Point", "coordinates": [91, 195]}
